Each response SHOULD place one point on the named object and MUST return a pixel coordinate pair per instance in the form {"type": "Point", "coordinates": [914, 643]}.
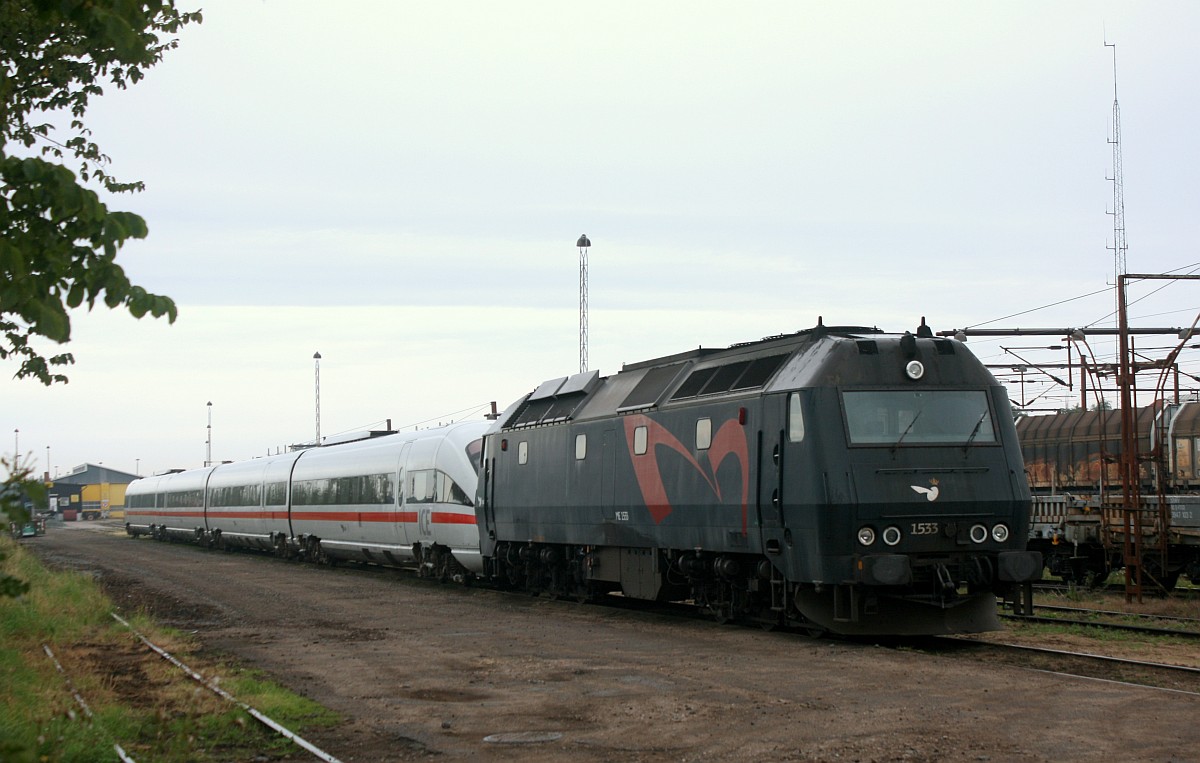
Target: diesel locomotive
{"type": "Point", "coordinates": [837, 479]}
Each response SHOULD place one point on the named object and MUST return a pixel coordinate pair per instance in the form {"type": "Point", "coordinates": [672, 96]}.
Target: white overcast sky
{"type": "Point", "coordinates": [399, 186]}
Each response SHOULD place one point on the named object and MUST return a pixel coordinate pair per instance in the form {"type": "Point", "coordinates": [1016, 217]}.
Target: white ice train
{"type": "Point", "coordinates": [405, 498]}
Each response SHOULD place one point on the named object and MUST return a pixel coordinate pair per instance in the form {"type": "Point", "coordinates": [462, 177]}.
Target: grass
{"type": "Point", "coordinates": [138, 700]}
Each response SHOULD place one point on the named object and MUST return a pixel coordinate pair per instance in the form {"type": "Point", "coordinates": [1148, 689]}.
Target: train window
{"type": "Point", "coordinates": [703, 434]}
{"type": "Point", "coordinates": [639, 441]}
{"type": "Point", "coordinates": [185, 499]}
{"type": "Point", "coordinates": [449, 492]}
{"type": "Point", "coordinates": [422, 486]}
{"type": "Point", "coordinates": [235, 495]}
{"type": "Point", "coordinates": [475, 453]}
{"type": "Point", "coordinates": [523, 452]}
{"type": "Point", "coordinates": [795, 418]}
{"type": "Point", "coordinates": [276, 494]}
{"type": "Point", "coordinates": [580, 447]}
{"type": "Point", "coordinates": [910, 417]}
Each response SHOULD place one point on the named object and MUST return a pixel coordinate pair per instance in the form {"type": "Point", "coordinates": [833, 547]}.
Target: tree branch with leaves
{"type": "Point", "coordinates": [58, 239]}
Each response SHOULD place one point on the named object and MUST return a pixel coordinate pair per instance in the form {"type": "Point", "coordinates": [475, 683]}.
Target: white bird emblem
{"type": "Point", "coordinates": [930, 493]}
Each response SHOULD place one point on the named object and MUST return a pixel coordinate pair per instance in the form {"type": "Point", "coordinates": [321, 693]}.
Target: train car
{"type": "Point", "coordinates": [1072, 461]}
{"type": "Point", "coordinates": [168, 506]}
{"type": "Point", "coordinates": [839, 479]}
{"type": "Point", "coordinates": [399, 499]}
{"type": "Point", "coordinates": [248, 503]}
{"type": "Point", "coordinates": [396, 499]}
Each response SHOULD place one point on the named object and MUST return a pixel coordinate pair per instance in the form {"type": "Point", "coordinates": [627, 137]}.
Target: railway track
{"type": "Point", "coordinates": [1150, 624]}
{"type": "Point", "coordinates": [1151, 675]}
{"type": "Point", "coordinates": [1148, 589]}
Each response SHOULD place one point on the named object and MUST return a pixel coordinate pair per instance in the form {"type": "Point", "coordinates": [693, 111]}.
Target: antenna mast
{"type": "Point", "coordinates": [1118, 181]}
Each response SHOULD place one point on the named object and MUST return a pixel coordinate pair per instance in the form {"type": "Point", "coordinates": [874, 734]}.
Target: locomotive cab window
{"type": "Point", "coordinates": [907, 417]}
{"type": "Point", "coordinates": [639, 441]}
{"type": "Point", "coordinates": [703, 434]}
{"type": "Point", "coordinates": [795, 418]}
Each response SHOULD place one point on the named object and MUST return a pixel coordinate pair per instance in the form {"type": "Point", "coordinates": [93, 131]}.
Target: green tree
{"type": "Point", "coordinates": [58, 240]}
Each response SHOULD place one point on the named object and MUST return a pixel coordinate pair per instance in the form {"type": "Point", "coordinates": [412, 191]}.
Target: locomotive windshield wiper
{"type": "Point", "coordinates": [975, 431]}
{"type": "Point", "coordinates": [907, 429]}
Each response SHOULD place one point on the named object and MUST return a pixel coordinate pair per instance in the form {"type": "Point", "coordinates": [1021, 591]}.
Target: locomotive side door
{"type": "Point", "coordinates": [772, 456]}
{"type": "Point", "coordinates": [608, 445]}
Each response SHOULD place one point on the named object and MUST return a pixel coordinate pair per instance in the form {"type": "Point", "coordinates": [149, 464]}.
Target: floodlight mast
{"type": "Point", "coordinates": [583, 243]}
{"type": "Point", "coordinates": [1119, 246]}
{"type": "Point", "coordinates": [317, 374]}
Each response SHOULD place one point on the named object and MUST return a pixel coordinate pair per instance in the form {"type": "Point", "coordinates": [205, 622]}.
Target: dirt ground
{"type": "Point", "coordinates": [422, 671]}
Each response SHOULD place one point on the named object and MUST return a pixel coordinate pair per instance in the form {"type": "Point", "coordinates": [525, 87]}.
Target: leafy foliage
{"type": "Point", "coordinates": [58, 240]}
{"type": "Point", "coordinates": [15, 492]}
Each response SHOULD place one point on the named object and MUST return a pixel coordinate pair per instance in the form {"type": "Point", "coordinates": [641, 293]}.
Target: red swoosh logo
{"type": "Point", "coordinates": [730, 440]}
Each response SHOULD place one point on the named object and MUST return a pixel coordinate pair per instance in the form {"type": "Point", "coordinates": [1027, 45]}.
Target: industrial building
{"type": "Point", "coordinates": [89, 491]}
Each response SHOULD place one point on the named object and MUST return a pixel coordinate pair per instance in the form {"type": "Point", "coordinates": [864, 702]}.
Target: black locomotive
{"type": "Point", "coordinates": [836, 479]}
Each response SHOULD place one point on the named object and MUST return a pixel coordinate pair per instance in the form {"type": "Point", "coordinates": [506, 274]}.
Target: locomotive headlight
{"type": "Point", "coordinates": [979, 533]}
{"type": "Point", "coordinates": [891, 535]}
{"type": "Point", "coordinates": [915, 369]}
{"type": "Point", "coordinates": [1000, 533]}
{"type": "Point", "coordinates": [866, 536]}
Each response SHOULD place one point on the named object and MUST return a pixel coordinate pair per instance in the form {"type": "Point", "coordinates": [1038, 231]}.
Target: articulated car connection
{"type": "Point", "coordinates": [837, 479]}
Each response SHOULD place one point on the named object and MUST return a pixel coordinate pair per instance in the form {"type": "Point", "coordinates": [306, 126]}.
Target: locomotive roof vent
{"type": "Point", "coordinates": [555, 400]}
{"type": "Point", "coordinates": [867, 347]}
{"type": "Point", "coordinates": [650, 388]}
{"type": "Point", "coordinates": [739, 376]}
{"type": "Point", "coordinates": [944, 346]}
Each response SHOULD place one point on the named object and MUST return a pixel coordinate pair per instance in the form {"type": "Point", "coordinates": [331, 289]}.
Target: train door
{"type": "Point", "coordinates": [786, 482]}
{"type": "Point", "coordinates": [484, 497]}
{"type": "Point", "coordinates": [403, 518]}
{"type": "Point", "coordinates": [773, 455]}
{"type": "Point", "coordinates": [608, 445]}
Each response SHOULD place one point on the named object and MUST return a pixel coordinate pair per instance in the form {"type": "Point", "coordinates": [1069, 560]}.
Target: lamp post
{"type": "Point", "coordinates": [317, 371]}
{"type": "Point", "coordinates": [137, 466]}
{"type": "Point", "coordinates": [583, 243]}
{"type": "Point", "coordinates": [208, 442]}
{"type": "Point", "coordinates": [47, 463]}
{"type": "Point", "coordinates": [16, 450]}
